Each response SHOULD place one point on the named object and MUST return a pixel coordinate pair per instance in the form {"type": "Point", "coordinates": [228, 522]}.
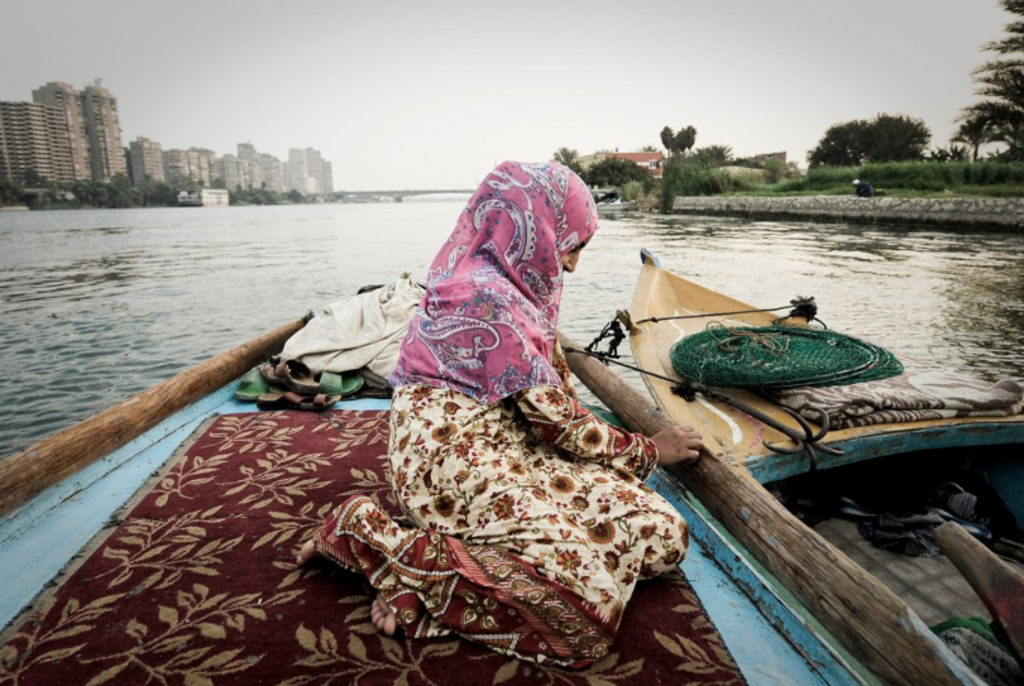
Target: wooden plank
{"type": "Point", "coordinates": [865, 616]}
{"type": "Point", "coordinates": [998, 585]}
{"type": "Point", "coordinates": [29, 472]}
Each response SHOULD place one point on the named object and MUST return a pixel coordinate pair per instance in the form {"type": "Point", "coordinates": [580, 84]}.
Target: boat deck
{"type": "Point", "coordinates": [769, 641]}
{"type": "Point", "coordinates": [931, 586]}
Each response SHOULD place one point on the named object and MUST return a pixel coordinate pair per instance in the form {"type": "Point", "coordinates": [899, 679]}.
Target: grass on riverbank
{"type": "Point", "coordinates": [895, 179]}
{"type": "Point", "coordinates": [1003, 191]}
{"type": "Point", "coordinates": [912, 179]}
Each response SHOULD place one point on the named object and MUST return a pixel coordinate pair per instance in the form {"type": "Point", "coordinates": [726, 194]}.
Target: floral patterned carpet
{"type": "Point", "coordinates": [196, 583]}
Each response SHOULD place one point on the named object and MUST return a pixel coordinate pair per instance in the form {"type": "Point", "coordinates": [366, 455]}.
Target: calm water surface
{"type": "Point", "coordinates": [100, 304]}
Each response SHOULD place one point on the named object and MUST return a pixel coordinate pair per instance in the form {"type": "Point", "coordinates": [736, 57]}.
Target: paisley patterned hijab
{"type": "Point", "coordinates": [486, 326]}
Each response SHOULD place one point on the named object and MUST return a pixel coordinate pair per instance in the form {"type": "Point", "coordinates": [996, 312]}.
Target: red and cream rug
{"type": "Point", "coordinates": [196, 583]}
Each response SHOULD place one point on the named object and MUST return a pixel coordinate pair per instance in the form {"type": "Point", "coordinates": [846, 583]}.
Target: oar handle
{"type": "Point", "coordinates": [998, 585]}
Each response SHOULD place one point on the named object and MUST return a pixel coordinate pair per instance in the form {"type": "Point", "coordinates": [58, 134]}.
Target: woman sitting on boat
{"type": "Point", "coordinates": [529, 523]}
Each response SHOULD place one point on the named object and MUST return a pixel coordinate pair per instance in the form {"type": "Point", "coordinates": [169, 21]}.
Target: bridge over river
{"type": "Point", "coordinates": [391, 196]}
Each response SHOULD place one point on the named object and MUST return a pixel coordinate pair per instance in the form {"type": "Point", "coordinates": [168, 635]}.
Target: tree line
{"type": "Point", "coordinates": [887, 138]}
{"type": "Point", "coordinates": [120, 193]}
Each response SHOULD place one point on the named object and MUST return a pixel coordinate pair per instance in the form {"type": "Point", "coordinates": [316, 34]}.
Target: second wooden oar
{"type": "Point", "coordinates": [998, 585]}
{"type": "Point", "coordinates": [866, 617]}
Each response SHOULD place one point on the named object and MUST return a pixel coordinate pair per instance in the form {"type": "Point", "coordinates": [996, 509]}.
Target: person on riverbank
{"type": "Point", "coordinates": [863, 189]}
{"type": "Point", "coordinates": [529, 523]}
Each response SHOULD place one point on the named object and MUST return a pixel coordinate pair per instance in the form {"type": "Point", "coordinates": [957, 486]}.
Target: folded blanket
{"type": "Point", "coordinates": [919, 393]}
{"type": "Point", "coordinates": [362, 331]}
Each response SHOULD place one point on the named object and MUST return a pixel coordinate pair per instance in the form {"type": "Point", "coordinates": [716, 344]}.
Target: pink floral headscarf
{"type": "Point", "coordinates": [486, 326]}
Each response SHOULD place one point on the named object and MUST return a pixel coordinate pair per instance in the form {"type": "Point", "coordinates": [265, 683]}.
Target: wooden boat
{"type": "Point", "coordinates": [863, 614]}
{"type": "Point", "coordinates": [747, 436]}
{"type": "Point", "coordinates": [58, 494]}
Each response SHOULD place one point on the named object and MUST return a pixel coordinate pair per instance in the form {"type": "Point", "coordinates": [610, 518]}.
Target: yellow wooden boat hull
{"type": "Point", "coordinates": [741, 439]}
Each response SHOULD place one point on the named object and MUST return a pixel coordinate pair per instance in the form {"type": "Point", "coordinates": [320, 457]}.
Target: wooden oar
{"type": "Point", "coordinates": [998, 585]}
{"type": "Point", "coordinates": [866, 617]}
{"type": "Point", "coordinates": [29, 472]}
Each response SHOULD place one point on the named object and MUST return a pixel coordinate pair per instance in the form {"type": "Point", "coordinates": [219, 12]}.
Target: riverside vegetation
{"type": "Point", "coordinates": [120, 193]}
{"type": "Point", "coordinates": [895, 179]}
{"type": "Point", "coordinates": [890, 151]}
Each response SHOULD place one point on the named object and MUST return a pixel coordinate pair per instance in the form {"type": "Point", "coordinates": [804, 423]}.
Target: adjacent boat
{"type": "Point", "coordinates": [748, 428]}
{"type": "Point", "coordinates": [753, 442]}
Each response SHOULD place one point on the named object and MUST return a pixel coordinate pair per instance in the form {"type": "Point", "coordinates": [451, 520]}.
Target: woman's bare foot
{"type": "Point", "coordinates": [307, 553]}
{"type": "Point", "coordinates": [383, 617]}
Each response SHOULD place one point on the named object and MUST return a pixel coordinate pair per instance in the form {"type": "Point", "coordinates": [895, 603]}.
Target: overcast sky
{"type": "Point", "coordinates": [432, 94]}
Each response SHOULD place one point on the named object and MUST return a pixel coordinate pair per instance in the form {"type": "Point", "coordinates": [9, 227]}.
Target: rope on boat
{"type": "Point", "coordinates": [804, 438]}
{"type": "Point", "coordinates": [802, 306]}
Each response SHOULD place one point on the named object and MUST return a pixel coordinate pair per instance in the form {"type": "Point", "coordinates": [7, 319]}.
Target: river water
{"type": "Point", "coordinates": [100, 304]}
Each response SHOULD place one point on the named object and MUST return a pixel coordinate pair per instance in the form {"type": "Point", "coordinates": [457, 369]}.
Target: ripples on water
{"type": "Point", "coordinates": [100, 304]}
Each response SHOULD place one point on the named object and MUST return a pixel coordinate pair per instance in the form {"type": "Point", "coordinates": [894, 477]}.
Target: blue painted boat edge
{"type": "Point", "coordinates": [647, 257]}
{"type": "Point", "coordinates": [813, 655]}
{"type": "Point", "coordinates": [70, 514]}
{"type": "Point", "coordinates": [23, 518]}
{"type": "Point", "coordinates": [886, 444]}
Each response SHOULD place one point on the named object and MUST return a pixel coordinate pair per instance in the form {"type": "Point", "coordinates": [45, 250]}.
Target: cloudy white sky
{"type": "Point", "coordinates": [430, 95]}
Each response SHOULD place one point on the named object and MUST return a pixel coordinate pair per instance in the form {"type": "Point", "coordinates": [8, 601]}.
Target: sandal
{"type": "Point", "coordinates": [293, 401]}
{"type": "Point", "coordinates": [252, 386]}
{"type": "Point", "coordinates": [343, 384]}
{"type": "Point", "coordinates": [291, 374]}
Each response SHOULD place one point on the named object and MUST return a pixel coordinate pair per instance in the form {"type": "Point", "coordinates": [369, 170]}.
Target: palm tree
{"type": "Point", "coordinates": [685, 139]}
{"type": "Point", "coordinates": [567, 156]}
{"type": "Point", "coordinates": [667, 136]}
{"type": "Point", "coordinates": [713, 155]}
{"type": "Point", "coordinates": [1002, 82]}
{"type": "Point", "coordinates": [678, 142]}
{"type": "Point", "coordinates": [975, 131]}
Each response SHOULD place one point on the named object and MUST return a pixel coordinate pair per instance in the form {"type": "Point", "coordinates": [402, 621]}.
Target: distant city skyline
{"type": "Point", "coordinates": [65, 135]}
{"type": "Point", "coordinates": [432, 95]}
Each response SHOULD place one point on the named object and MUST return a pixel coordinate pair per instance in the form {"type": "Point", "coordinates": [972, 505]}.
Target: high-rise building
{"type": "Point", "coordinates": [236, 173]}
{"type": "Point", "coordinates": [197, 165]}
{"type": "Point", "coordinates": [273, 172]}
{"type": "Point", "coordinates": [308, 172]}
{"type": "Point", "coordinates": [250, 159]}
{"type": "Point", "coordinates": [65, 98]}
{"type": "Point", "coordinates": [202, 165]}
{"type": "Point", "coordinates": [34, 143]}
{"type": "Point", "coordinates": [315, 168]}
{"type": "Point", "coordinates": [175, 164]}
{"type": "Point", "coordinates": [328, 186]}
{"type": "Point", "coordinates": [295, 170]}
{"type": "Point", "coordinates": [103, 131]}
{"type": "Point", "coordinates": [247, 151]}
{"type": "Point", "coordinates": [146, 160]}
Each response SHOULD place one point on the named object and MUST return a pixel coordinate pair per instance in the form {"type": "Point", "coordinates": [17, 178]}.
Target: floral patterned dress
{"type": "Point", "coordinates": [531, 522]}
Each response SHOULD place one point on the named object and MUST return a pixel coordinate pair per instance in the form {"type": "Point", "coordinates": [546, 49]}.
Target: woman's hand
{"type": "Point", "coordinates": [677, 444]}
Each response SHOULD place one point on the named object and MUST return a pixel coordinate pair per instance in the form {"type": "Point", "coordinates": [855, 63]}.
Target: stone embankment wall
{"type": "Point", "coordinates": [981, 214]}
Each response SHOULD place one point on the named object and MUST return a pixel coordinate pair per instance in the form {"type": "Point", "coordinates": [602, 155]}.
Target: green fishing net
{"type": "Point", "coordinates": [779, 357]}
